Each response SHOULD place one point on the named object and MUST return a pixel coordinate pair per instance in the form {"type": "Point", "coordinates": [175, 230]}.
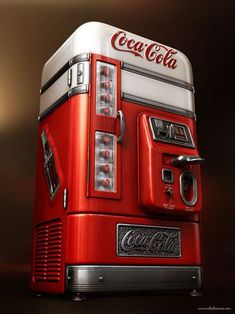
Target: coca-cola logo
{"type": "Point", "coordinates": [152, 52]}
{"type": "Point", "coordinates": [148, 241]}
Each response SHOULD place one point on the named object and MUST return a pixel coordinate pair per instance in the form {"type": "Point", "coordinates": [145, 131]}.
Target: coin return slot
{"type": "Point", "coordinates": [167, 176]}
{"type": "Point", "coordinates": [188, 188]}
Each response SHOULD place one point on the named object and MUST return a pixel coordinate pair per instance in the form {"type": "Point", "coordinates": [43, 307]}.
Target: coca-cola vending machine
{"type": "Point", "coordinates": [118, 188]}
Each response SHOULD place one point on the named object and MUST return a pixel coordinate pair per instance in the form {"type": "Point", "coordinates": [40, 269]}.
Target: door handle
{"type": "Point", "coordinates": [122, 126]}
{"type": "Point", "coordinates": [183, 160]}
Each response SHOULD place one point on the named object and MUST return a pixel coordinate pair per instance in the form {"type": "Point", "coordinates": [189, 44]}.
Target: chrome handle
{"type": "Point", "coordinates": [183, 160]}
{"type": "Point", "coordinates": [122, 126]}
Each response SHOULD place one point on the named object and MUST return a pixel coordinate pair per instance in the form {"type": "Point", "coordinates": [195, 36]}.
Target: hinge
{"type": "Point", "coordinates": [80, 73]}
{"type": "Point", "coordinates": [69, 77]}
{"type": "Point", "coordinates": [65, 198]}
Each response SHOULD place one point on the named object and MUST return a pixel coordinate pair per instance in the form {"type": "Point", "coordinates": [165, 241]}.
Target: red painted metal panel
{"type": "Point", "coordinates": [91, 239]}
{"type": "Point", "coordinates": [48, 210]}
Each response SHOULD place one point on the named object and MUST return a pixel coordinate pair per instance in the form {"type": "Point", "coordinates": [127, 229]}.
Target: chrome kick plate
{"type": "Point", "coordinates": [148, 241]}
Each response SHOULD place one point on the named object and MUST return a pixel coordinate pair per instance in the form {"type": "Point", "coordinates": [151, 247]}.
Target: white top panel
{"type": "Point", "coordinates": [164, 93]}
{"type": "Point", "coordinates": [60, 87]}
{"type": "Point", "coordinates": [109, 41]}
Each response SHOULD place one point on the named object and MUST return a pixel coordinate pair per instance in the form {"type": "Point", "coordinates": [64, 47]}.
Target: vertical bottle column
{"type": "Point", "coordinates": [105, 162]}
{"type": "Point", "coordinates": [105, 157]}
{"type": "Point", "coordinates": [106, 86]}
{"type": "Point", "coordinates": [105, 143]}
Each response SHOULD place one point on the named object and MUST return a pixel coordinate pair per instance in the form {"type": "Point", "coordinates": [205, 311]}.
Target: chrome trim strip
{"type": "Point", "coordinates": [101, 278]}
{"type": "Point", "coordinates": [81, 89]}
{"type": "Point", "coordinates": [195, 196]}
{"type": "Point", "coordinates": [55, 105]}
{"type": "Point", "coordinates": [79, 58]}
{"type": "Point", "coordinates": [65, 198]}
{"type": "Point", "coordinates": [155, 104]}
{"type": "Point", "coordinates": [63, 69]}
{"type": "Point", "coordinates": [157, 76]}
{"type": "Point", "coordinates": [122, 126]}
{"type": "Point", "coordinates": [182, 160]}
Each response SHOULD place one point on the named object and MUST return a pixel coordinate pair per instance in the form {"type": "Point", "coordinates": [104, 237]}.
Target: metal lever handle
{"type": "Point", "coordinates": [183, 160]}
{"type": "Point", "coordinates": [122, 126]}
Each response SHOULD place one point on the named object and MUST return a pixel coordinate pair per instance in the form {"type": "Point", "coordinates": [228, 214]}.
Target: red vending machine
{"type": "Point", "coordinates": [118, 188]}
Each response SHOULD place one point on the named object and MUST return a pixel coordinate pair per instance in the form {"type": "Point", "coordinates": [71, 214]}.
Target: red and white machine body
{"type": "Point", "coordinates": [118, 190]}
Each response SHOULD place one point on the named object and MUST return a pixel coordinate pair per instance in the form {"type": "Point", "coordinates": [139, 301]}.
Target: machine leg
{"type": "Point", "coordinates": [195, 293]}
{"type": "Point", "coordinates": [77, 297]}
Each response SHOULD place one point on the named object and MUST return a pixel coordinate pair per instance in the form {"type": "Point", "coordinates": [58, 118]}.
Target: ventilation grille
{"type": "Point", "coordinates": [48, 251]}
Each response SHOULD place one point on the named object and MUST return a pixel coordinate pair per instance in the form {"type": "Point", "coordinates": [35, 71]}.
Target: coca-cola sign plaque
{"type": "Point", "coordinates": [149, 241]}
{"type": "Point", "coordinates": [153, 51]}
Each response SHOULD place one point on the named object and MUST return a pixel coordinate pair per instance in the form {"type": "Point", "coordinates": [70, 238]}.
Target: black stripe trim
{"type": "Point", "coordinates": [54, 106]}
{"type": "Point", "coordinates": [71, 62]}
{"type": "Point", "coordinates": [54, 78]}
{"type": "Point", "coordinates": [158, 105]}
{"type": "Point", "coordinates": [157, 76]}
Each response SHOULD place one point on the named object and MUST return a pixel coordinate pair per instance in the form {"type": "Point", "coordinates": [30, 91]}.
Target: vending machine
{"type": "Point", "coordinates": [118, 188]}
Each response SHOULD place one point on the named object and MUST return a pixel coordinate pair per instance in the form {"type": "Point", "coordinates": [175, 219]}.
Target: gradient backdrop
{"type": "Point", "coordinates": [31, 30]}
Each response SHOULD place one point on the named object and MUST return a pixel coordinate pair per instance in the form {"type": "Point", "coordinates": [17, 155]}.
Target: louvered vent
{"type": "Point", "coordinates": [48, 251]}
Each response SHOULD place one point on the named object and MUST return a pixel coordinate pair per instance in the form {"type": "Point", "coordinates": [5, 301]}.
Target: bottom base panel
{"type": "Point", "coordinates": [105, 278]}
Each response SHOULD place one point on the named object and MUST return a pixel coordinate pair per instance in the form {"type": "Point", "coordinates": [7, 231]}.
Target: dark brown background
{"type": "Point", "coordinates": [30, 31]}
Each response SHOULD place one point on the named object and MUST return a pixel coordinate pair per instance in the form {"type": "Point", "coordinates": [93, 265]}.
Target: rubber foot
{"type": "Point", "coordinates": [195, 293]}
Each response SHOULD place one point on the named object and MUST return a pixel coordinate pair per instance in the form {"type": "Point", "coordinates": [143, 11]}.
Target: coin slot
{"type": "Point", "coordinates": [167, 176]}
